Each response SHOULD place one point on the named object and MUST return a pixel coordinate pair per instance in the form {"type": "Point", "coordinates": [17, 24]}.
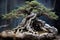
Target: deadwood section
{"type": "Point", "coordinates": [25, 29]}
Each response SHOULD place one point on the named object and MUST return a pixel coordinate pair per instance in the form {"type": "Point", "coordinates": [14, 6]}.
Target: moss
{"type": "Point", "coordinates": [40, 32]}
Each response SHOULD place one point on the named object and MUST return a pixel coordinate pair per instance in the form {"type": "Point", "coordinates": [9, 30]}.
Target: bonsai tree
{"type": "Point", "coordinates": [31, 23]}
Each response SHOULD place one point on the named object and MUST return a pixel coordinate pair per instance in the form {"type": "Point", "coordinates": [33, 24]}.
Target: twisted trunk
{"type": "Point", "coordinates": [28, 28]}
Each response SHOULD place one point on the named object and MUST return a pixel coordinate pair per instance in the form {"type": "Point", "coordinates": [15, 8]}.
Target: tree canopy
{"type": "Point", "coordinates": [32, 6]}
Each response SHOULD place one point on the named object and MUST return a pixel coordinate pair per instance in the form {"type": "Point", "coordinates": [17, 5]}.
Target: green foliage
{"type": "Point", "coordinates": [30, 0]}
{"type": "Point", "coordinates": [12, 14]}
{"type": "Point", "coordinates": [33, 3]}
{"type": "Point", "coordinates": [53, 15]}
{"type": "Point", "coordinates": [35, 6]}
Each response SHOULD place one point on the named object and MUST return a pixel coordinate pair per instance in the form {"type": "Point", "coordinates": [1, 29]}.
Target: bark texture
{"type": "Point", "coordinates": [31, 28]}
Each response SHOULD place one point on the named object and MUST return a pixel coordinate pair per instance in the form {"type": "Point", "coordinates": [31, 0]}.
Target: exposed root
{"type": "Point", "coordinates": [28, 28]}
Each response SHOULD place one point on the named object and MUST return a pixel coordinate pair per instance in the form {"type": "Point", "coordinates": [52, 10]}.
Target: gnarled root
{"type": "Point", "coordinates": [31, 27]}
